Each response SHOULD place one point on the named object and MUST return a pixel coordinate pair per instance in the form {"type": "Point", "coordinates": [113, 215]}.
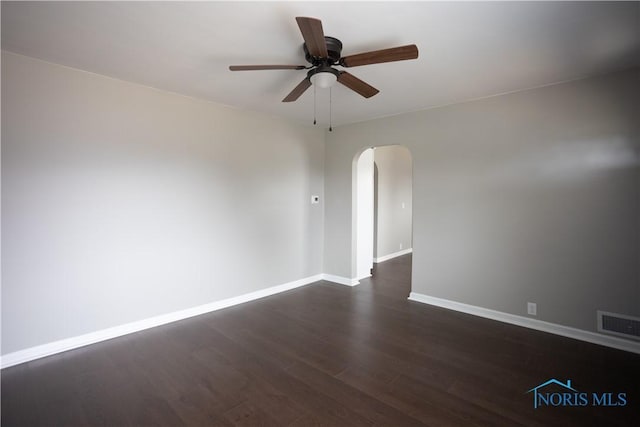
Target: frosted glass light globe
{"type": "Point", "coordinates": [323, 79]}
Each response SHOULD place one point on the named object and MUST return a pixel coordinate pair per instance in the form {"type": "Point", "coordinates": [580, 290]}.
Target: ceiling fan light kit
{"type": "Point", "coordinates": [323, 77]}
{"type": "Point", "coordinates": [324, 53]}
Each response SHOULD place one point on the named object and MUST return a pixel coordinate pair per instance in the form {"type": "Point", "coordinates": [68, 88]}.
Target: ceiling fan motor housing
{"type": "Point", "coordinates": [334, 50]}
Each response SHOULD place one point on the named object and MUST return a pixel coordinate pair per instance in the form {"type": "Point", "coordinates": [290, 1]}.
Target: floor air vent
{"type": "Point", "coordinates": [619, 324]}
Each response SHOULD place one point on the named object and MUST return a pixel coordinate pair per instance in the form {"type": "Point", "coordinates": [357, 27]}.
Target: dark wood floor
{"type": "Point", "coordinates": [323, 354]}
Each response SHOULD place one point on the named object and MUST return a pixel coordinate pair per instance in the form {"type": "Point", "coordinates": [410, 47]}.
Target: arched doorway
{"type": "Point", "coordinates": [382, 206]}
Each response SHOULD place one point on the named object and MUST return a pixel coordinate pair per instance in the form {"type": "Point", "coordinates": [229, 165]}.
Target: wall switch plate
{"type": "Point", "coordinates": [532, 308]}
{"type": "Point", "coordinates": [315, 200]}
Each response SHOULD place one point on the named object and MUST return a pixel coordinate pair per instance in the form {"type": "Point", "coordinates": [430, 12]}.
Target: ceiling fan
{"type": "Point", "coordinates": [324, 53]}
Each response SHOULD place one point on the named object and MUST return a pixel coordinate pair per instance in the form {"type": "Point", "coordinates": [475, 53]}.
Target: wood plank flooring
{"type": "Point", "coordinates": [323, 355]}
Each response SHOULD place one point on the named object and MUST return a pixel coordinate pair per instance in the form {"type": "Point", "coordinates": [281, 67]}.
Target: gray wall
{"type": "Point", "coordinates": [393, 199]}
{"type": "Point", "coordinates": [121, 202]}
{"type": "Point", "coordinates": [530, 196]}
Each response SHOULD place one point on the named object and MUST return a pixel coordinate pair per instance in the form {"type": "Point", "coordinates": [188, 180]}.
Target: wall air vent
{"type": "Point", "coordinates": [619, 324]}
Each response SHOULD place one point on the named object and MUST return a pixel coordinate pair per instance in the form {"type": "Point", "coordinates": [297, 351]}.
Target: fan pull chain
{"type": "Point", "coordinates": [314, 104]}
{"type": "Point", "coordinates": [330, 128]}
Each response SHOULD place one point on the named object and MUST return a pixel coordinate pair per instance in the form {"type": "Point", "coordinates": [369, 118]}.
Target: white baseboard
{"type": "Point", "coordinates": [553, 328]}
{"type": "Point", "coordinates": [48, 349]}
{"type": "Point", "coordinates": [393, 255]}
{"type": "Point", "coordinates": [340, 280]}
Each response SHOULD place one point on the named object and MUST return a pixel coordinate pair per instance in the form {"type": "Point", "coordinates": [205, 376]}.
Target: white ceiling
{"type": "Point", "coordinates": [467, 50]}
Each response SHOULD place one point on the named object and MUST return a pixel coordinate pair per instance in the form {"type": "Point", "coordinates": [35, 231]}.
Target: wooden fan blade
{"type": "Point", "coordinates": [265, 67]}
{"type": "Point", "coordinates": [401, 53]}
{"type": "Point", "coordinates": [313, 35]}
{"type": "Point", "coordinates": [357, 85]}
{"type": "Point", "coordinates": [298, 90]}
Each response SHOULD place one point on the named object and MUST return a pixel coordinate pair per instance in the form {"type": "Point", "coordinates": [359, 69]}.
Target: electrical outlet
{"type": "Point", "coordinates": [532, 308]}
{"type": "Point", "coordinates": [315, 199]}
{"type": "Point", "coordinates": [402, 205]}
{"type": "Point", "coordinates": [400, 245]}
